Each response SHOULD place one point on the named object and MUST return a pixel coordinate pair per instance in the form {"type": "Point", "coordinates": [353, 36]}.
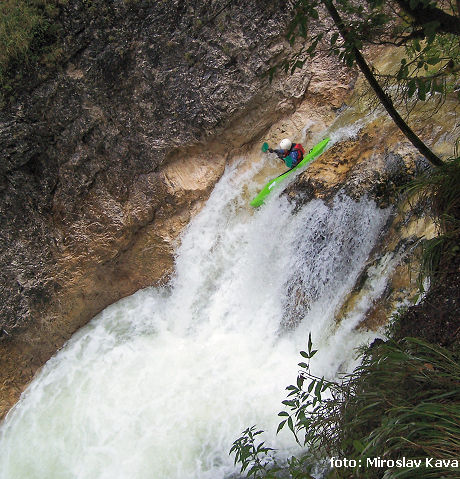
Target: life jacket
{"type": "Point", "coordinates": [300, 149]}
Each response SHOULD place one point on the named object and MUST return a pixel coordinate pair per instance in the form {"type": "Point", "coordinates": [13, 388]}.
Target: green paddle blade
{"type": "Point", "coordinates": [265, 147]}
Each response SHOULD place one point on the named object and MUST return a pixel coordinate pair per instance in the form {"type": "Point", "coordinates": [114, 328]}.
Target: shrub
{"type": "Point", "coordinates": [441, 189]}
{"type": "Point", "coordinates": [401, 404]}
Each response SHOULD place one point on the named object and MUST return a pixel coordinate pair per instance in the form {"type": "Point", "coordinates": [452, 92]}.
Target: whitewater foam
{"type": "Point", "coordinates": [161, 383]}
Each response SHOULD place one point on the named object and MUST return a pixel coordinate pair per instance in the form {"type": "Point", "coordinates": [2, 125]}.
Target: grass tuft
{"type": "Point", "coordinates": [28, 36]}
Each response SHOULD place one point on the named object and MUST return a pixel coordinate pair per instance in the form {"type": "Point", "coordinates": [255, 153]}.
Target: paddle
{"type": "Point", "coordinates": [265, 148]}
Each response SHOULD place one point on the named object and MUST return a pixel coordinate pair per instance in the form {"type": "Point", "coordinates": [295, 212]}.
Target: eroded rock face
{"type": "Point", "coordinates": [104, 163]}
{"type": "Point", "coordinates": [377, 163]}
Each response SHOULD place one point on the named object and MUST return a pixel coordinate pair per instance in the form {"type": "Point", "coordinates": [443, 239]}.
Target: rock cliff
{"type": "Point", "coordinates": [105, 158]}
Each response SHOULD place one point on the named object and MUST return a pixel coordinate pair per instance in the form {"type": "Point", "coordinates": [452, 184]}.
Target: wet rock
{"type": "Point", "coordinates": [377, 163]}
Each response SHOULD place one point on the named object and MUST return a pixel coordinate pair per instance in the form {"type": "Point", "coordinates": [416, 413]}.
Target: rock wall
{"type": "Point", "coordinates": [105, 160]}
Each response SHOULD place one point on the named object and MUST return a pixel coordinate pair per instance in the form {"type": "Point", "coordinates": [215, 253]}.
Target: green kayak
{"type": "Point", "coordinates": [313, 153]}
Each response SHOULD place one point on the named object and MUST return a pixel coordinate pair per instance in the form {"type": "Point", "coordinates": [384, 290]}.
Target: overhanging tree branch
{"type": "Point", "coordinates": [425, 14]}
{"type": "Point", "coordinates": [382, 96]}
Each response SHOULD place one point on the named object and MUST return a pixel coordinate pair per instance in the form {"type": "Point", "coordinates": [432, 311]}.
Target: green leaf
{"type": "Point", "coordinates": [290, 424]}
{"type": "Point", "coordinates": [318, 389]}
{"type": "Point", "coordinates": [283, 413]}
{"type": "Point", "coordinates": [334, 38]}
{"type": "Point", "coordinates": [358, 445]}
{"type": "Point", "coordinates": [280, 426]}
{"type": "Point", "coordinates": [299, 381]}
{"type": "Point", "coordinates": [411, 88]}
{"type": "Point", "coordinates": [432, 60]}
{"type": "Point", "coordinates": [437, 87]}
{"type": "Point", "coordinates": [421, 91]}
{"type": "Point", "coordinates": [303, 28]}
{"type": "Point", "coordinates": [325, 387]}
{"type": "Point", "coordinates": [430, 30]}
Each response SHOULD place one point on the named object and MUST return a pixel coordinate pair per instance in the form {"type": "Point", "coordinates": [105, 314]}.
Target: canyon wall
{"type": "Point", "coordinates": [105, 159]}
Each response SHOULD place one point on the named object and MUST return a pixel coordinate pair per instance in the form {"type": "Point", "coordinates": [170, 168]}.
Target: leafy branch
{"type": "Point", "coordinates": [254, 458]}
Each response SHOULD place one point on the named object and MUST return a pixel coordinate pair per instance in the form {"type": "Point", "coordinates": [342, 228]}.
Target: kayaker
{"type": "Point", "coordinates": [290, 153]}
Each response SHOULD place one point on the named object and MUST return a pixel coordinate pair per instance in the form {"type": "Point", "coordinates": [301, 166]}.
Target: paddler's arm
{"type": "Point", "coordinates": [281, 154]}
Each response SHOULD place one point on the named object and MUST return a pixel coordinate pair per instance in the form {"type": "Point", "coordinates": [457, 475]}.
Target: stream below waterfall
{"type": "Point", "coordinates": [161, 383]}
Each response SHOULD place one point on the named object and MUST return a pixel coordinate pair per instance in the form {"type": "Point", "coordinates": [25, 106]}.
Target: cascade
{"type": "Point", "coordinates": [161, 383]}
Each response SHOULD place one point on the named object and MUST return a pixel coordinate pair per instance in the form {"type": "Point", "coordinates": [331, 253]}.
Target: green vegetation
{"type": "Point", "coordinates": [28, 38]}
{"type": "Point", "coordinates": [426, 30]}
{"type": "Point", "coordinates": [441, 189]}
{"type": "Point", "coordinates": [401, 404]}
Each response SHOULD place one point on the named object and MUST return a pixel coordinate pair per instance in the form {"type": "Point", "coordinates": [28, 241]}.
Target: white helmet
{"type": "Point", "coordinates": [286, 144]}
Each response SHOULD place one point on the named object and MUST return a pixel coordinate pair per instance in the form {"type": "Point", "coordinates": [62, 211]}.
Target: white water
{"type": "Point", "coordinates": [160, 384]}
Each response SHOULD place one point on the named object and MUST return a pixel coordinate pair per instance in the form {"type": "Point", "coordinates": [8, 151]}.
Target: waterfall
{"type": "Point", "coordinates": [161, 383]}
